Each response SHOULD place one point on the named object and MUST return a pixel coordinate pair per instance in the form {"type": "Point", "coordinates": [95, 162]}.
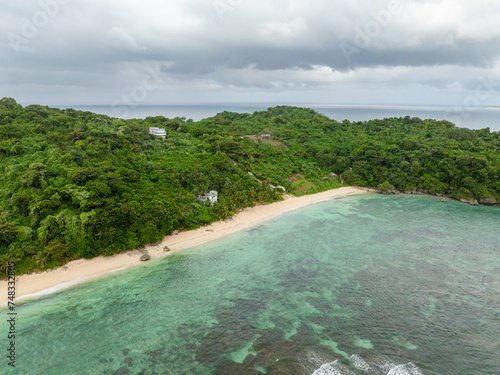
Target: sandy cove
{"type": "Point", "coordinates": [81, 270]}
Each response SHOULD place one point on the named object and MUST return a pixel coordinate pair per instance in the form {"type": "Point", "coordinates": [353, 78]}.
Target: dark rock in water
{"type": "Point", "coordinates": [122, 371]}
{"type": "Point", "coordinates": [145, 257]}
{"type": "Point", "coordinates": [156, 355]}
{"type": "Point", "coordinates": [126, 351]}
{"type": "Point", "coordinates": [286, 366]}
{"type": "Point", "coordinates": [230, 367]}
{"type": "Point", "coordinates": [487, 200]}
{"type": "Point", "coordinates": [128, 361]}
{"type": "Point", "coordinates": [166, 248]}
{"type": "Point", "coordinates": [473, 202]}
{"type": "Point", "coordinates": [388, 191]}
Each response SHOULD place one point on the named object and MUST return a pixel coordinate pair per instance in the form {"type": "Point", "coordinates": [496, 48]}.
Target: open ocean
{"type": "Point", "coordinates": [473, 118]}
{"type": "Point", "coordinates": [372, 284]}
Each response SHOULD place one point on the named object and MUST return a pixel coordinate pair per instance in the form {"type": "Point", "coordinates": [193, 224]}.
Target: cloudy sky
{"type": "Point", "coordinates": [69, 52]}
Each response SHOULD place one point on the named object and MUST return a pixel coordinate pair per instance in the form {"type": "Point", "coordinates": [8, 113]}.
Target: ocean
{"type": "Point", "coordinates": [361, 285]}
{"type": "Point", "coordinates": [472, 118]}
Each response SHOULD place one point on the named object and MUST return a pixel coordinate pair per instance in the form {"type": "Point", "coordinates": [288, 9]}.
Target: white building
{"type": "Point", "coordinates": [158, 132]}
{"type": "Point", "coordinates": [210, 197]}
{"type": "Point", "coordinates": [278, 187]}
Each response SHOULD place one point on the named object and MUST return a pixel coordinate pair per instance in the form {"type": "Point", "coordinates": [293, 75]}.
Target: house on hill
{"type": "Point", "coordinates": [158, 132]}
{"type": "Point", "coordinates": [257, 136]}
{"type": "Point", "coordinates": [210, 197]}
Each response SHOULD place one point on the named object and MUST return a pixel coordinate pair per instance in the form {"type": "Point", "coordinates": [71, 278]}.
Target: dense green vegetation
{"type": "Point", "coordinates": [78, 184]}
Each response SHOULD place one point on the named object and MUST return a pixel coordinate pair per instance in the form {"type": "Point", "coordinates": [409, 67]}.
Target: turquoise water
{"type": "Point", "coordinates": [368, 281]}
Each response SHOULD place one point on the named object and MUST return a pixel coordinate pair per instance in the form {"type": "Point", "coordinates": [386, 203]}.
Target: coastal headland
{"type": "Point", "coordinates": [81, 270]}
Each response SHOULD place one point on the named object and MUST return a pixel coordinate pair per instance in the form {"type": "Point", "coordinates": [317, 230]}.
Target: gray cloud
{"type": "Point", "coordinates": [76, 51]}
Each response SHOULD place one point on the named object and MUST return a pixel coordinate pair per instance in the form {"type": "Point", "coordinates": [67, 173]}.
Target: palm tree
{"type": "Point", "coordinates": [5, 261]}
{"type": "Point", "coordinates": [3, 214]}
{"type": "Point", "coordinates": [40, 259]}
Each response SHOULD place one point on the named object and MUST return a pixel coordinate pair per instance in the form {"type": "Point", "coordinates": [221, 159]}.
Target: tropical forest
{"type": "Point", "coordinates": [76, 184]}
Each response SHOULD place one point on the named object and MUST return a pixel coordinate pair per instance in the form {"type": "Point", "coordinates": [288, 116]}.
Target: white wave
{"type": "Point", "coordinates": [408, 369]}
{"type": "Point", "coordinates": [377, 365]}
{"type": "Point", "coordinates": [383, 364]}
{"type": "Point", "coordinates": [333, 368]}
{"type": "Point", "coordinates": [359, 363]}
{"type": "Point", "coordinates": [314, 359]}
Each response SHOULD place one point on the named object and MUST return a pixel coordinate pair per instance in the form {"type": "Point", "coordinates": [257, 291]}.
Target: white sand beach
{"type": "Point", "coordinates": [81, 270]}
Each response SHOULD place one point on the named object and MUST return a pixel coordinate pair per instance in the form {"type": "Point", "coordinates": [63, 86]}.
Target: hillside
{"type": "Point", "coordinates": [78, 184]}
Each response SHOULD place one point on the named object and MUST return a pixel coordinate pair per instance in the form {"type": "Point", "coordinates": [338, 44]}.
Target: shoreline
{"type": "Point", "coordinates": [83, 270]}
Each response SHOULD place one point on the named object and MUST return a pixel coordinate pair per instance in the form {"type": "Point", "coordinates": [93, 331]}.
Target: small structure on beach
{"type": "Point", "coordinates": [158, 132]}
{"type": "Point", "coordinates": [210, 197]}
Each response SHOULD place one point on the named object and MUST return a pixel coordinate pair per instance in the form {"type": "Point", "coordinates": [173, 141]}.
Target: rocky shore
{"type": "Point", "coordinates": [473, 201]}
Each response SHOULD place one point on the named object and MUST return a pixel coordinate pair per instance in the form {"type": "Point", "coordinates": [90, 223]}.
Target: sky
{"type": "Point", "coordinates": [150, 52]}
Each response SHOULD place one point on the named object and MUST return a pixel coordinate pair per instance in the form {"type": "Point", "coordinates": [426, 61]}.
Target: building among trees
{"type": "Point", "coordinates": [210, 197]}
{"type": "Point", "coordinates": [158, 132]}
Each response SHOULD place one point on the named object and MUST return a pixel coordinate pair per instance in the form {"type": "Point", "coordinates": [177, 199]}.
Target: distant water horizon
{"type": "Point", "coordinates": [472, 118]}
